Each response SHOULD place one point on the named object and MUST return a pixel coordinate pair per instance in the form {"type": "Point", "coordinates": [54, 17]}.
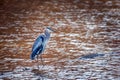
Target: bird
{"type": "Point", "coordinates": [40, 44]}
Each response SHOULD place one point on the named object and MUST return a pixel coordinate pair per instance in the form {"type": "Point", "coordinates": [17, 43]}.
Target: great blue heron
{"type": "Point", "coordinates": [40, 44]}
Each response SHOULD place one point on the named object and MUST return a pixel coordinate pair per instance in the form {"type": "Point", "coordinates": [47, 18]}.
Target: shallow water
{"type": "Point", "coordinates": [82, 28]}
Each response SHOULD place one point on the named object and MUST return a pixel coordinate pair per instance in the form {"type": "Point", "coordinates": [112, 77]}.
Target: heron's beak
{"type": "Point", "coordinates": [51, 29]}
{"type": "Point", "coordinates": [54, 30]}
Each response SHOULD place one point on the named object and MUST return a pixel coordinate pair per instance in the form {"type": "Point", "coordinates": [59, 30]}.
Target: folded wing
{"type": "Point", "coordinates": [37, 47]}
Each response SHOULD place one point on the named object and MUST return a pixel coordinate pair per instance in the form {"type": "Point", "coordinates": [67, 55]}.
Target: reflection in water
{"type": "Point", "coordinates": [83, 27]}
{"type": "Point", "coordinates": [92, 56]}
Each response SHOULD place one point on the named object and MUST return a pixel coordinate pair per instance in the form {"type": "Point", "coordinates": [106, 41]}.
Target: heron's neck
{"type": "Point", "coordinates": [47, 34]}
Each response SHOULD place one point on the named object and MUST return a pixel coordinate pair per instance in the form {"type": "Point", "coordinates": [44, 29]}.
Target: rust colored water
{"type": "Point", "coordinates": [82, 27]}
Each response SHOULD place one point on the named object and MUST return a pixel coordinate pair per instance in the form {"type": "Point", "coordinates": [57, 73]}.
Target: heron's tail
{"type": "Point", "coordinates": [33, 55]}
{"type": "Point", "coordinates": [35, 52]}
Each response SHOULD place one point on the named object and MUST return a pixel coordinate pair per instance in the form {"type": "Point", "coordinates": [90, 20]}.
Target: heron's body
{"type": "Point", "coordinates": [40, 44]}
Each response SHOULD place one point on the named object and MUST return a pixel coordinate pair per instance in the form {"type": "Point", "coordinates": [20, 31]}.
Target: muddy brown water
{"type": "Point", "coordinates": [81, 28]}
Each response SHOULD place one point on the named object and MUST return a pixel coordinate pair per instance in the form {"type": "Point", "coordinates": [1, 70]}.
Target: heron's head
{"type": "Point", "coordinates": [50, 29]}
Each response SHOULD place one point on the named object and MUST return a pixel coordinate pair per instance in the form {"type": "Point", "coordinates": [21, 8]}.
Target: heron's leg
{"type": "Point", "coordinates": [42, 60]}
{"type": "Point", "coordinates": [37, 62]}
